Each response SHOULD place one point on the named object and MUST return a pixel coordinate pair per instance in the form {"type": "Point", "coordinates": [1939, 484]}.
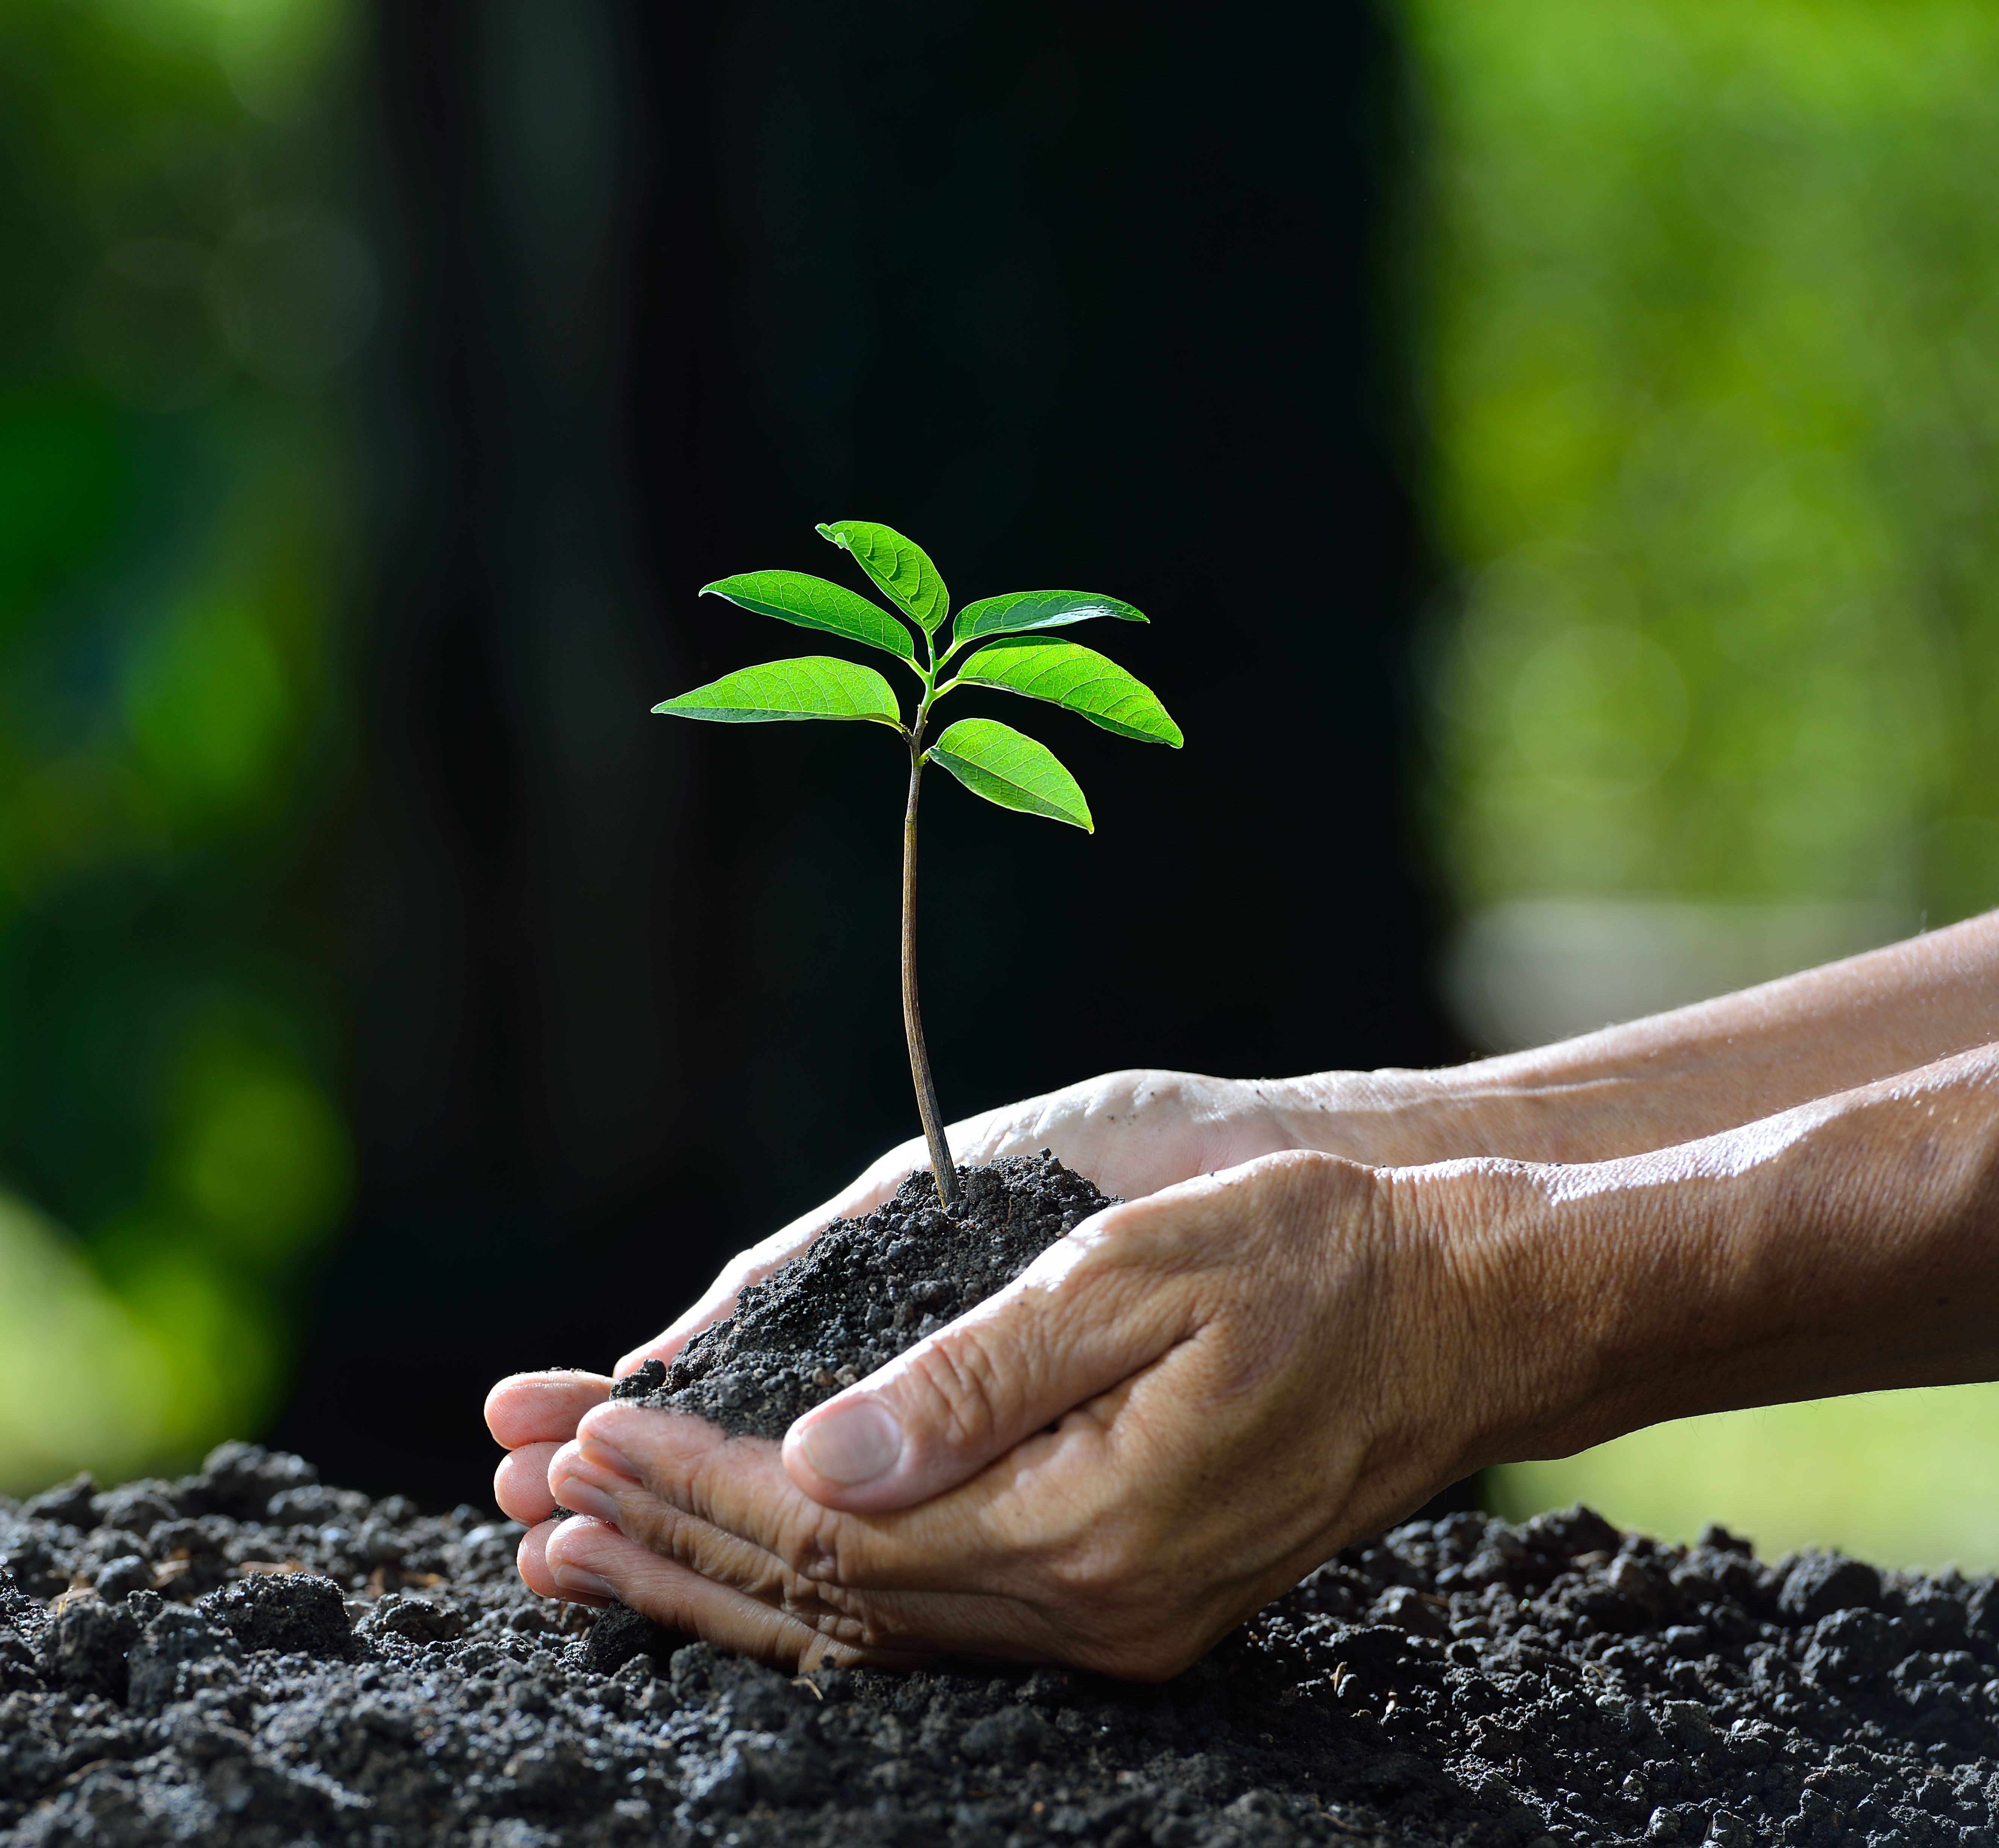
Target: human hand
{"type": "Point", "coordinates": [1302, 1347]}
{"type": "Point", "coordinates": [1175, 1413]}
{"type": "Point", "coordinates": [1131, 1133]}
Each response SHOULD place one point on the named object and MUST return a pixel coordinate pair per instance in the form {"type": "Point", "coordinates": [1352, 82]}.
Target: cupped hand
{"type": "Point", "coordinates": [1131, 1133]}
{"type": "Point", "coordinates": [1174, 1413]}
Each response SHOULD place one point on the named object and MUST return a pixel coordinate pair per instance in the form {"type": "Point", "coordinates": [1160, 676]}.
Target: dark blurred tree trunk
{"type": "Point", "coordinates": [1080, 294]}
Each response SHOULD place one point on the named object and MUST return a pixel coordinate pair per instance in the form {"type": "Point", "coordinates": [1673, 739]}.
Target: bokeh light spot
{"type": "Point", "coordinates": [83, 1384]}
{"type": "Point", "coordinates": [208, 706]}
{"type": "Point", "coordinates": [294, 294]}
{"type": "Point", "coordinates": [266, 1161]}
{"type": "Point", "coordinates": [1600, 710]}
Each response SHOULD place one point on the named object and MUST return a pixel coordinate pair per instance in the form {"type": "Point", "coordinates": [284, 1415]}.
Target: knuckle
{"type": "Point", "coordinates": [655, 1526]}
{"type": "Point", "coordinates": [813, 1545]}
{"type": "Point", "coordinates": [1123, 1249]}
{"type": "Point", "coordinates": [1112, 1240]}
{"type": "Point", "coordinates": [1096, 1569]}
{"type": "Point", "coordinates": [861, 1648]}
{"type": "Point", "coordinates": [965, 1388]}
{"type": "Point", "coordinates": [840, 1619]}
{"type": "Point", "coordinates": [701, 1483]}
{"type": "Point", "coordinates": [1117, 1560]}
{"type": "Point", "coordinates": [834, 1608]}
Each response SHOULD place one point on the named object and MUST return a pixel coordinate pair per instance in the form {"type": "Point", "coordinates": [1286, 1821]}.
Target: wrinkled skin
{"type": "Point", "coordinates": [1102, 1541]}
{"type": "Point", "coordinates": [1204, 1392]}
{"type": "Point", "coordinates": [1132, 1133]}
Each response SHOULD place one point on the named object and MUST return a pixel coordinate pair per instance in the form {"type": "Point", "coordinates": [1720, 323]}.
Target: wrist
{"type": "Point", "coordinates": [1553, 1339]}
{"type": "Point", "coordinates": [1765, 1264]}
{"type": "Point", "coordinates": [1843, 1246]}
{"type": "Point", "coordinates": [1431, 1340]}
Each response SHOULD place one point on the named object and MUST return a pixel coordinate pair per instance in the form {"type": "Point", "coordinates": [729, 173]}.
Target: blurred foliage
{"type": "Point", "coordinates": [1714, 406]}
{"type": "Point", "coordinates": [1900, 1477]}
{"type": "Point", "coordinates": [1711, 392]}
{"type": "Point", "coordinates": [176, 289]}
{"type": "Point", "coordinates": [1714, 402]}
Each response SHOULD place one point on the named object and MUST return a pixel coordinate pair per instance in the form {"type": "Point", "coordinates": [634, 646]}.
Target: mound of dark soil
{"type": "Point", "coordinates": [268, 1661]}
{"type": "Point", "coordinates": [864, 1290]}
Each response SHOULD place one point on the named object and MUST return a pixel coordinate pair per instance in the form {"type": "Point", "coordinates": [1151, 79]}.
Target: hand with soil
{"type": "Point", "coordinates": [1194, 1397]}
{"type": "Point", "coordinates": [1203, 1391]}
{"type": "Point", "coordinates": [1174, 1343]}
{"type": "Point", "coordinates": [1132, 1133]}
{"type": "Point", "coordinates": [1625, 1091]}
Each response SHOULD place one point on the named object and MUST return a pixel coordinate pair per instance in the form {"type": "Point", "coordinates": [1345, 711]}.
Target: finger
{"type": "Point", "coordinates": [530, 1561]}
{"type": "Point", "coordinates": [586, 1561]}
{"type": "Point", "coordinates": [596, 1562]}
{"type": "Point", "coordinates": [536, 1408]}
{"type": "Point", "coordinates": [752, 1266]}
{"type": "Point", "coordinates": [1041, 1558]}
{"type": "Point", "coordinates": [1090, 1312]}
{"type": "Point", "coordinates": [725, 1507]}
{"type": "Point", "coordinates": [925, 1606]}
{"type": "Point", "coordinates": [520, 1483]}
{"type": "Point", "coordinates": [593, 1479]}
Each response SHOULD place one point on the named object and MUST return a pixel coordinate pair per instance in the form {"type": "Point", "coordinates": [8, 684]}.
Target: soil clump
{"type": "Point", "coordinates": [864, 1290]}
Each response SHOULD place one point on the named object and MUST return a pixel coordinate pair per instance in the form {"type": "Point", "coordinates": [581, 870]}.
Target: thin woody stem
{"type": "Point", "coordinates": [913, 1018]}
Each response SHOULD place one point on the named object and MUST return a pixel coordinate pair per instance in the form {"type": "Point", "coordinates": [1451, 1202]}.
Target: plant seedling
{"type": "Point", "coordinates": [993, 644]}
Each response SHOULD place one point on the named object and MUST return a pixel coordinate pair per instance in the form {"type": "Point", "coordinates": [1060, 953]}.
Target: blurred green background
{"type": "Point", "coordinates": [1699, 344]}
{"type": "Point", "coordinates": [1712, 382]}
{"type": "Point", "coordinates": [178, 282]}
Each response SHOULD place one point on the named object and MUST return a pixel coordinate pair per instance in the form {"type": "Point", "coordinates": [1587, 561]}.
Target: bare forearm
{"type": "Point", "coordinates": [1676, 1077]}
{"type": "Point", "coordinates": [1847, 1245]}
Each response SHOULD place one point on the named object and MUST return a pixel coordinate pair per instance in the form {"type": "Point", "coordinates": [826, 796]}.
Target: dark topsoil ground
{"type": "Point", "coordinates": [264, 1660]}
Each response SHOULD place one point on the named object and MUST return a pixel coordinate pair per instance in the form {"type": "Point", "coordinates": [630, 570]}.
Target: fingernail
{"type": "Point", "coordinates": [580, 1498]}
{"type": "Point", "coordinates": [856, 1443]}
{"type": "Point", "coordinates": [573, 1578]}
{"type": "Point", "coordinates": [605, 1457]}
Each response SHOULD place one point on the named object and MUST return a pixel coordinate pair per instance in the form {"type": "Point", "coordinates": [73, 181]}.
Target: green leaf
{"type": "Point", "coordinates": [812, 686]}
{"type": "Point", "coordinates": [1079, 679]}
{"type": "Point", "coordinates": [900, 566]}
{"type": "Point", "coordinates": [1020, 609]}
{"type": "Point", "coordinates": [813, 603]}
{"type": "Point", "coordinates": [1008, 768]}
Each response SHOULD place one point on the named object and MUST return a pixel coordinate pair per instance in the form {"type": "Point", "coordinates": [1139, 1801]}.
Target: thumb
{"type": "Point", "coordinates": [1079, 1321]}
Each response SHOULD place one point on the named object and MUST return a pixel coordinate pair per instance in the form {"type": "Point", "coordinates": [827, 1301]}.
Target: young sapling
{"type": "Point", "coordinates": [993, 644]}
